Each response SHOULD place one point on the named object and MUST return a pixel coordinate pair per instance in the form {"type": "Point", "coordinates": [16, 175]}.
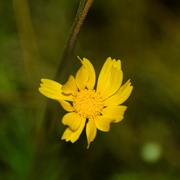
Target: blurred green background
{"type": "Point", "coordinates": [145, 35]}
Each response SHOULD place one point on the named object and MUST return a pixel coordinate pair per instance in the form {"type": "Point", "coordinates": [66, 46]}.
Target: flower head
{"type": "Point", "coordinates": [87, 105]}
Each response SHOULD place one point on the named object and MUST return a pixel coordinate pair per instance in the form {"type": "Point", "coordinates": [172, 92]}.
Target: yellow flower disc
{"type": "Point", "coordinates": [88, 103]}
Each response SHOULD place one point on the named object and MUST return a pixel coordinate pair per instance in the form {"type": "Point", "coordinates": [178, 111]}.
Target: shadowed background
{"type": "Point", "coordinates": [145, 35]}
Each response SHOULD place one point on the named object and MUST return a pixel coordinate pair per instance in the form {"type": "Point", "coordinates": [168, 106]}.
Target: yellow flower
{"type": "Point", "coordinates": [98, 106]}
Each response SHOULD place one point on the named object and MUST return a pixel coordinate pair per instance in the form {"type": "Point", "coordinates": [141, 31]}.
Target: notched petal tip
{"type": "Point", "coordinates": [52, 90]}
{"type": "Point", "coordinates": [117, 64]}
{"type": "Point", "coordinates": [70, 135]}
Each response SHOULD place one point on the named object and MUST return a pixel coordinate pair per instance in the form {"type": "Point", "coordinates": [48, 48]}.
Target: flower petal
{"type": "Point", "coordinates": [116, 113]}
{"type": "Point", "coordinates": [70, 135]}
{"type": "Point", "coordinates": [120, 96]}
{"type": "Point", "coordinates": [73, 120]}
{"type": "Point", "coordinates": [70, 86]}
{"type": "Point", "coordinates": [67, 134]}
{"type": "Point", "coordinates": [66, 105]}
{"type": "Point", "coordinates": [91, 131]}
{"type": "Point", "coordinates": [110, 78]}
{"type": "Point", "coordinates": [52, 90]}
{"type": "Point", "coordinates": [103, 123]}
{"type": "Point", "coordinates": [92, 74]}
{"type": "Point", "coordinates": [104, 74]}
{"type": "Point", "coordinates": [82, 77]}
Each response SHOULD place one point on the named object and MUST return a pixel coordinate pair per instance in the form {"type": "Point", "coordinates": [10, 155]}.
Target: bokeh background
{"type": "Point", "coordinates": [145, 35]}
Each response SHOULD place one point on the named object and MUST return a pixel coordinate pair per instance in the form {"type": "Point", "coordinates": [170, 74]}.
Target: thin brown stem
{"type": "Point", "coordinates": [82, 11]}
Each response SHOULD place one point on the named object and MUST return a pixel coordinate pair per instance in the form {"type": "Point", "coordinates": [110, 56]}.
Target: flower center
{"type": "Point", "coordinates": [88, 103]}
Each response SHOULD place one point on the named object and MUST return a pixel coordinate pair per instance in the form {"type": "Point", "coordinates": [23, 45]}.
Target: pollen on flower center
{"type": "Point", "coordinates": [88, 103]}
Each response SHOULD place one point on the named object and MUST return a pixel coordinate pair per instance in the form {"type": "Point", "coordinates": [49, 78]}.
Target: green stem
{"type": "Point", "coordinates": [82, 11]}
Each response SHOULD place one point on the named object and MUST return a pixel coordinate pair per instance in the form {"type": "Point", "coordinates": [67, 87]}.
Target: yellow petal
{"type": "Point", "coordinates": [104, 74]}
{"type": "Point", "coordinates": [116, 64]}
{"type": "Point", "coordinates": [103, 123]}
{"type": "Point", "coordinates": [72, 136]}
{"type": "Point", "coordinates": [92, 74]}
{"type": "Point", "coordinates": [91, 131]}
{"type": "Point", "coordinates": [67, 134]}
{"type": "Point", "coordinates": [66, 105]}
{"type": "Point", "coordinates": [116, 113]}
{"type": "Point", "coordinates": [120, 96]}
{"type": "Point", "coordinates": [70, 86]}
{"type": "Point", "coordinates": [82, 77]}
{"type": "Point", "coordinates": [73, 120]}
{"type": "Point", "coordinates": [52, 90]}
{"type": "Point", "coordinates": [110, 78]}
